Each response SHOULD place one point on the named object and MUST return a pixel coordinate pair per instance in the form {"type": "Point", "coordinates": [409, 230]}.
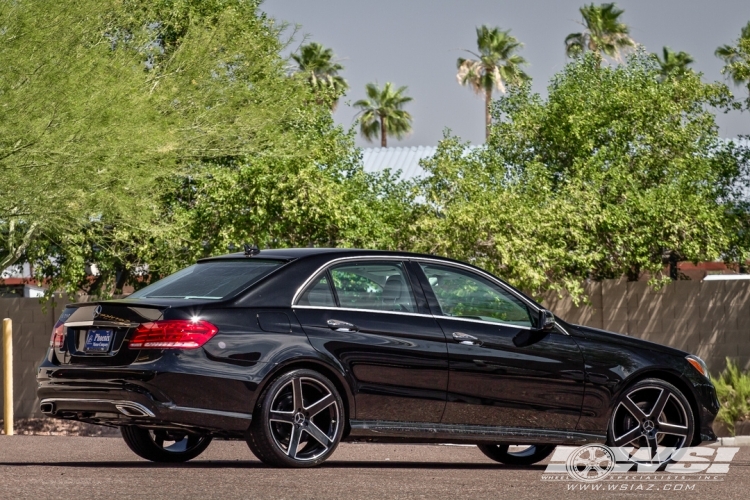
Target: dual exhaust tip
{"type": "Point", "coordinates": [127, 408]}
{"type": "Point", "coordinates": [47, 408]}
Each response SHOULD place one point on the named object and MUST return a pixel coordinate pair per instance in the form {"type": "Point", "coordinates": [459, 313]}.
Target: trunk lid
{"type": "Point", "coordinates": [97, 333]}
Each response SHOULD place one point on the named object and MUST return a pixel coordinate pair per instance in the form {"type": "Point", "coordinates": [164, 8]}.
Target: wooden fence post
{"type": "Point", "coordinates": [8, 375]}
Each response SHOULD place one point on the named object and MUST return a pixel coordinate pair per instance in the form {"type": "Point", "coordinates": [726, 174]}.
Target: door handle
{"type": "Point", "coordinates": [341, 326]}
{"type": "Point", "coordinates": [466, 339]}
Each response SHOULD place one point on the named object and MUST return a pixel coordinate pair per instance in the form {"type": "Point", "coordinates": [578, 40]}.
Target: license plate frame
{"type": "Point", "coordinates": [98, 340]}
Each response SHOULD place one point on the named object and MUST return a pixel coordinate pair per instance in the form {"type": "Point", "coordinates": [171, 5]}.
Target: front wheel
{"type": "Point", "coordinates": [164, 445]}
{"type": "Point", "coordinates": [651, 414]}
{"type": "Point", "coordinates": [525, 456]}
{"type": "Point", "coordinates": [298, 421]}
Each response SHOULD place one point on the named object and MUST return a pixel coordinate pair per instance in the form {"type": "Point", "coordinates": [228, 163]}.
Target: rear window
{"type": "Point", "coordinates": [213, 280]}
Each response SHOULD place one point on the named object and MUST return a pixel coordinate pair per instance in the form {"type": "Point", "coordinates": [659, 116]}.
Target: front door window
{"type": "Point", "coordinates": [462, 294]}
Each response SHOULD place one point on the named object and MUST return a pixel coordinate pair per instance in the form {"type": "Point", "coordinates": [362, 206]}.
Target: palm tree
{"type": "Point", "coordinates": [674, 63]}
{"type": "Point", "coordinates": [322, 72]}
{"type": "Point", "coordinates": [603, 33]}
{"type": "Point", "coordinates": [381, 113]}
{"type": "Point", "coordinates": [737, 58]}
{"type": "Point", "coordinates": [496, 65]}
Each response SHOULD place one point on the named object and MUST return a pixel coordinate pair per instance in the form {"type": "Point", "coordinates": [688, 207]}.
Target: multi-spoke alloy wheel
{"type": "Point", "coordinates": [299, 420]}
{"type": "Point", "coordinates": [164, 445]}
{"type": "Point", "coordinates": [516, 455]}
{"type": "Point", "coordinates": [652, 416]}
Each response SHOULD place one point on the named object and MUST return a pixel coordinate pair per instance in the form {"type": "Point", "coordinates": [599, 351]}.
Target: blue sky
{"type": "Point", "coordinates": [416, 43]}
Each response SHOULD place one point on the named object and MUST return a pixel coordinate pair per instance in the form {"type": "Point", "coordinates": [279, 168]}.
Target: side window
{"type": "Point", "coordinates": [318, 293]}
{"type": "Point", "coordinates": [382, 286]}
{"type": "Point", "coordinates": [463, 294]}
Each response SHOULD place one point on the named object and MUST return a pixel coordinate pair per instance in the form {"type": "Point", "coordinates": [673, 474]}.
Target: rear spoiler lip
{"type": "Point", "coordinates": [140, 303]}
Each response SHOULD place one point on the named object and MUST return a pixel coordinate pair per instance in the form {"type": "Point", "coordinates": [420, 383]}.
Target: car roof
{"type": "Point", "coordinates": [292, 254]}
{"type": "Point", "coordinates": [297, 253]}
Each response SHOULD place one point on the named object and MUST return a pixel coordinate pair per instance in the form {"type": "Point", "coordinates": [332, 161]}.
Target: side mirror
{"type": "Point", "coordinates": [546, 321]}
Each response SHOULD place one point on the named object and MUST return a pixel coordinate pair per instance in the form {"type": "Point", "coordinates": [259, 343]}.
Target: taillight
{"type": "Point", "coordinates": [57, 340]}
{"type": "Point", "coordinates": [58, 336]}
{"type": "Point", "coordinates": [173, 334]}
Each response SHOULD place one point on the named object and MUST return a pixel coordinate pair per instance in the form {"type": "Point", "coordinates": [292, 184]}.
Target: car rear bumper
{"type": "Point", "coordinates": [124, 408]}
{"type": "Point", "coordinates": [158, 394]}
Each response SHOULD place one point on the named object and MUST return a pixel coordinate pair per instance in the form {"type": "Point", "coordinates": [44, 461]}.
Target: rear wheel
{"type": "Point", "coordinates": [298, 422]}
{"type": "Point", "coordinates": [164, 445]}
{"type": "Point", "coordinates": [517, 455]}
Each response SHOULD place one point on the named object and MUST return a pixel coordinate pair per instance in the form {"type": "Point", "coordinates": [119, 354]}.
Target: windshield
{"type": "Point", "coordinates": [213, 280]}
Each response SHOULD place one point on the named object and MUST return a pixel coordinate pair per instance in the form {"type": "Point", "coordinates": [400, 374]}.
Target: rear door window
{"type": "Point", "coordinates": [318, 294]}
{"type": "Point", "coordinates": [380, 286]}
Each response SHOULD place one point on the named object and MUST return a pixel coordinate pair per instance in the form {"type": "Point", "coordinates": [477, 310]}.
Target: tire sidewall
{"type": "Point", "coordinates": [139, 441]}
{"type": "Point", "coordinates": [500, 453]}
{"type": "Point", "coordinates": [659, 383]}
{"type": "Point", "coordinates": [260, 440]}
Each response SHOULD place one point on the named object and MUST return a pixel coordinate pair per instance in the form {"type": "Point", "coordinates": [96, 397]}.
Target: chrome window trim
{"type": "Point", "coordinates": [481, 273]}
{"type": "Point", "coordinates": [484, 322]}
{"type": "Point", "coordinates": [402, 258]}
{"type": "Point", "coordinates": [304, 285]}
{"type": "Point", "coordinates": [334, 308]}
{"type": "Point", "coordinates": [562, 330]}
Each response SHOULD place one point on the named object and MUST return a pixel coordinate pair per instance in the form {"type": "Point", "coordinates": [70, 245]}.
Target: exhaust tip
{"type": "Point", "coordinates": [133, 410]}
{"type": "Point", "coordinates": [47, 408]}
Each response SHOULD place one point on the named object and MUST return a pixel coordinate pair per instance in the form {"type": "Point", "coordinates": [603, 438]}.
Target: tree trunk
{"type": "Point", "coordinates": [16, 252]}
{"type": "Point", "coordinates": [383, 130]}
{"type": "Point", "coordinates": [487, 114]}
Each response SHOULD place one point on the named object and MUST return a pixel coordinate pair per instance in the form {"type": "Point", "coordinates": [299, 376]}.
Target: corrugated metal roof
{"type": "Point", "coordinates": [405, 159]}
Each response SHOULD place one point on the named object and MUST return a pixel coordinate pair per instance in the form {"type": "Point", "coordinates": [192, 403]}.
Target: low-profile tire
{"type": "Point", "coordinates": [528, 456]}
{"type": "Point", "coordinates": [652, 413]}
{"type": "Point", "coordinates": [164, 446]}
{"type": "Point", "coordinates": [298, 421]}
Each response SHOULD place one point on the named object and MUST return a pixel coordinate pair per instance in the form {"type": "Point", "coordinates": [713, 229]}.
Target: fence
{"type": "Point", "coordinates": [710, 319]}
{"type": "Point", "coordinates": [32, 327]}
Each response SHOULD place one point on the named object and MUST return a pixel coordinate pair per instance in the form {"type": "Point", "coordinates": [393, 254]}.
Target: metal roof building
{"type": "Point", "coordinates": [405, 159]}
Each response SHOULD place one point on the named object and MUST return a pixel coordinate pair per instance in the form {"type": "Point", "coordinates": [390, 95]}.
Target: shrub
{"type": "Point", "coordinates": [733, 390]}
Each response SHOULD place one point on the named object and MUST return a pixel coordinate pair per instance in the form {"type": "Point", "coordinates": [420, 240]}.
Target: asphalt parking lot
{"type": "Point", "coordinates": [73, 467]}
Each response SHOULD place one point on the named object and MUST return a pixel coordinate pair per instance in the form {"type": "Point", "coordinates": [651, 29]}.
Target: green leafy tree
{"type": "Point", "coordinates": [737, 60]}
{"type": "Point", "coordinates": [80, 132]}
{"type": "Point", "coordinates": [603, 34]}
{"type": "Point", "coordinates": [496, 65]}
{"type": "Point", "coordinates": [382, 113]}
{"type": "Point", "coordinates": [611, 173]}
{"type": "Point", "coordinates": [674, 64]}
{"type": "Point", "coordinates": [182, 137]}
{"type": "Point", "coordinates": [317, 65]}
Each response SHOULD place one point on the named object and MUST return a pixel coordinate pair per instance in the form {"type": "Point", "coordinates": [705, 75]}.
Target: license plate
{"type": "Point", "coordinates": [98, 340]}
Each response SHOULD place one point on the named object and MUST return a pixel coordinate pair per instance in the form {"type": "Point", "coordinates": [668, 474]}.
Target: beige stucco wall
{"type": "Point", "coordinates": [710, 319]}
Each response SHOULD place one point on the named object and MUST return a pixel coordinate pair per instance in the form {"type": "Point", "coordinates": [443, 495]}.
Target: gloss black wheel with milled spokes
{"type": "Point", "coordinates": [517, 455]}
{"type": "Point", "coordinates": [298, 421]}
{"type": "Point", "coordinates": [164, 445]}
{"type": "Point", "coordinates": [652, 414]}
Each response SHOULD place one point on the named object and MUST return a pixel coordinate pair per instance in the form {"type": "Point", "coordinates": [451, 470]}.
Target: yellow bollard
{"type": "Point", "coordinates": [8, 375]}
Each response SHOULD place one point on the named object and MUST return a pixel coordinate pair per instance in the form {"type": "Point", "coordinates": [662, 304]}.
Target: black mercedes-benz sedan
{"type": "Point", "coordinates": [296, 350]}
